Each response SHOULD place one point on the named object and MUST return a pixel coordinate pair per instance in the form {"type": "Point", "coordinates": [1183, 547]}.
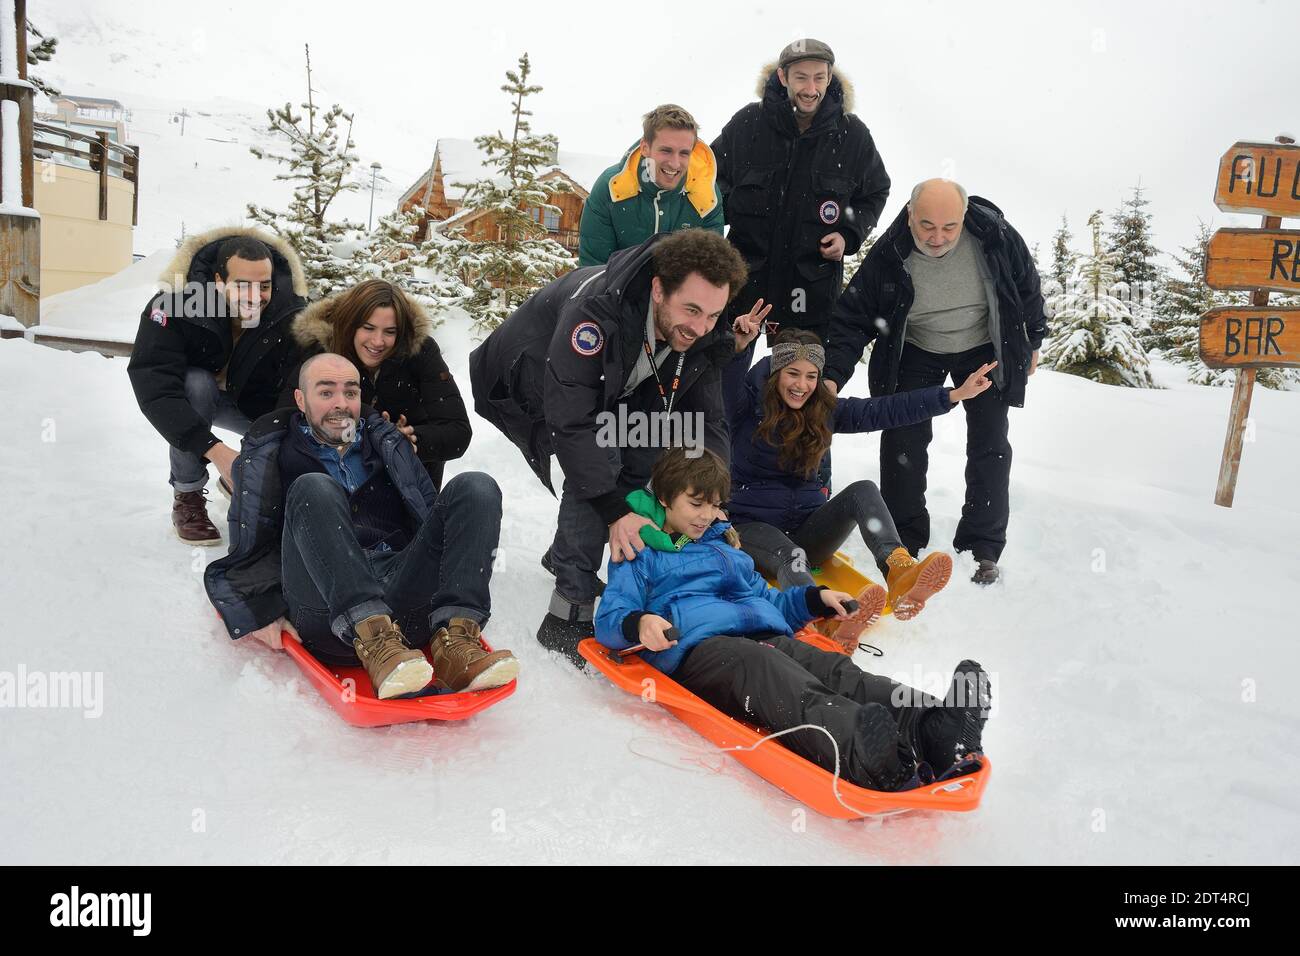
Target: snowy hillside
{"type": "Point", "coordinates": [1140, 645]}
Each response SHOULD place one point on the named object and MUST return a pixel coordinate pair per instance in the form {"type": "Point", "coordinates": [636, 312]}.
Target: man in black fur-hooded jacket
{"type": "Point", "coordinates": [585, 370]}
{"type": "Point", "coordinates": [802, 186]}
{"type": "Point", "coordinates": [213, 350]}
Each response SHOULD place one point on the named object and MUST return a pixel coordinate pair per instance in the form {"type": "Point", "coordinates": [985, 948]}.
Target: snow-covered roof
{"type": "Point", "coordinates": [95, 101]}
{"type": "Point", "coordinates": [462, 162]}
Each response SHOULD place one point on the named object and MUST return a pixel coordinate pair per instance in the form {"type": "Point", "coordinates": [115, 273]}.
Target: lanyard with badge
{"type": "Point", "coordinates": [665, 397]}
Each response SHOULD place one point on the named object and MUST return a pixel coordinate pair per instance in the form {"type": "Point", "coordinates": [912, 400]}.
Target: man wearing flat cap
{"type": "Point", "coordinates": [802, 185]}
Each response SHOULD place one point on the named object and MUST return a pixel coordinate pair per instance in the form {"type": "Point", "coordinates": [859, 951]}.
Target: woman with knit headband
{"type": "Point", "coordinates": [782, 419]}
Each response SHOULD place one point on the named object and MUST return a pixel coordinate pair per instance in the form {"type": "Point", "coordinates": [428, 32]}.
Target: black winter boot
{"type": "Point", "coordinates": [949, 733]}
{"type": "Point", "coordinates": [564, 626]}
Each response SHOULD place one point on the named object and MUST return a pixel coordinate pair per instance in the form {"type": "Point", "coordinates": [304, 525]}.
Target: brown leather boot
{"type": "Point", "coordinates": [461, 663]}
{"type": "Point", "coordinates": [190, 519]}
{"type": "Point", "coordinates": [393, 666]}
{"type": "Point", "coordinates": [912, 582]}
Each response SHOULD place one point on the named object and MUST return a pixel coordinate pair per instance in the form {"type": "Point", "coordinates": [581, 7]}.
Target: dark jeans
{"type": "Point", "coordinates": [581, 535]}
{"type": "Point", "coordinates": [788, 558]}
{"type": "Point", "coordinates": [330, 584]}
{"type": "Point", "coordinates": [905, 458]}
{"type": "Point", "coordinates": [189, 472]}
{"type": "Point", "coordinates": [779, 683]}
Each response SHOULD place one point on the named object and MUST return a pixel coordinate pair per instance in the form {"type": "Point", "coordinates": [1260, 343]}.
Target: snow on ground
{"type": "Point", "coordinates": [1141, 646]}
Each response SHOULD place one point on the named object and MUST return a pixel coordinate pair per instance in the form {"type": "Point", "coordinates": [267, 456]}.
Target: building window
{"type": "Point", "coordinates": [552, 220]}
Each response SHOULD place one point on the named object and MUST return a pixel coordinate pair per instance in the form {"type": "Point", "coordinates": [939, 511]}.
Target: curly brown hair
{"type": "Point", "coordinates": [803, 434]}
{"type": "Point", "coordinates": [702, 251]}
{"type": "Point", "coordinates": [353, 308]}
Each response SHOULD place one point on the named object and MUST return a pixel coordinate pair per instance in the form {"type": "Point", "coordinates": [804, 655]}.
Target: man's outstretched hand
{"type": "Point", "coordinates": [625, 536]}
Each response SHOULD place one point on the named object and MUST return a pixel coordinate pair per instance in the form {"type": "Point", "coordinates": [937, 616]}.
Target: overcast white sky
{"type": "Point", "coordinates": [1042, 107]}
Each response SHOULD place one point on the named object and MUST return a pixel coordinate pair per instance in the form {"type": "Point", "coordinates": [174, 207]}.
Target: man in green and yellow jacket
{"type": "Point", "coordinates": [666, 182]}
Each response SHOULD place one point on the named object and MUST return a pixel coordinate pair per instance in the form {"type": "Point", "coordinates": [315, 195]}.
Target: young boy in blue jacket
{"type": "Point", "coordinates": [735, 647]}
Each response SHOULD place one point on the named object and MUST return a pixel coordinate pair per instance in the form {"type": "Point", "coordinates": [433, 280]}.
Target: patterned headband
{"type": "Point", "coordinates": [786, 352]}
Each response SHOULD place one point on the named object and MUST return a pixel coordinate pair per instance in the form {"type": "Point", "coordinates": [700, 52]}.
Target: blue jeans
{"type": "Point", "coordinates": [218, 409]}
{"type": "Point", "coordinates": [331, 584]}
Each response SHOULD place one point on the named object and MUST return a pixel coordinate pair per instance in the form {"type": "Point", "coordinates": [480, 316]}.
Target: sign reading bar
{"type": "Point", "coordinates": [1254, 259]}
{"type": "Point", "coordinates": [1262, 178]}
{"type": "Point", "coordinates": [1250, 338]}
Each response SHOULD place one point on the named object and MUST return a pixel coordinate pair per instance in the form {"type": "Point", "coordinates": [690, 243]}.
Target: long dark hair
{"type": "Point", "coordinates": [353, 308]}
{"type": "Point", "coordinates": [803, 434]}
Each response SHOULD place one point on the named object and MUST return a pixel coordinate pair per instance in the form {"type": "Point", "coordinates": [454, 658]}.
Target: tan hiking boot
{"type": "Point", "coordinates": [394, 667]}
{"type": "Point", "coordinates": [190, 518]}
{"type": "Point", "coordinates": [461, 662]}
{"type": "Point", "coordinates": [871, 604]}
{"type": "Point", "coordinates": [912, 582]}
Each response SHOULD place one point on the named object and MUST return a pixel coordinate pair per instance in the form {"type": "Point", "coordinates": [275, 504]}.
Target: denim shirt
{"type": "Point", "coordinates": [349, 470]}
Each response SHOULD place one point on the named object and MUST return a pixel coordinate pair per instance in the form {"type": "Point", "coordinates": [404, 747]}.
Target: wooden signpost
{"type": "Point", "coordinates": [1261, 178]}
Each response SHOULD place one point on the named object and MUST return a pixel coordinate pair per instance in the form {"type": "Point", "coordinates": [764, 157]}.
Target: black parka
{"type": "Point", "coordinates": [784, 190]}
{"type": "Point", "coordinates": [177, 333]}
{"type": "Point", "coordinates": [875, 306]}
{"type": "Point", "coordinates": [563, 357]}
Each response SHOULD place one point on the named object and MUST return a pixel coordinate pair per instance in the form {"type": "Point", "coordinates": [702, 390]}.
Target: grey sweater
{"type": "Point", "coordinates": [950, 312]}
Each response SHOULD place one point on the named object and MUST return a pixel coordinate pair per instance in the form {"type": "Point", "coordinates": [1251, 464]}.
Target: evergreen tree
{"type": "Point", "coordinates": [1176, 325]}
{"type": "Point", "coordinates": [426, 269]}
{"type": "Point", "coordinates": [40, 51]}
{"type": "Point", "coordinates": [1135, 254]}
{"type": "Point", "coordinates": [508, 269]}
{"type": "Point", "coordinates": [854, 262]}
{"type": "Point", "coordinates": [318, 163]}
{"type": "Point", "coordinates": [1092, 333]}
{"type": "Point", "coordinates": [1064, 259]}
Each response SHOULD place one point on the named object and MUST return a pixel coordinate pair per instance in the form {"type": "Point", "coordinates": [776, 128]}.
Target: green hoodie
{"type": "Point", "coordinates": [647, 506]}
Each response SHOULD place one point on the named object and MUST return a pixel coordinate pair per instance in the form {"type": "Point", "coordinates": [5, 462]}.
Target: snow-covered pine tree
{"type": "Point", "coordinates": [1176, 324]}
{"type": "Point", "coordinates": [426, 269]}
{"type": "Point", "coordinates": [318, 163]}
{"type": "Point", "coordinates": [1136, 256]}
{"type": "Point", "coordinates": [507, 270]}
{"type": "Point", "coordinates": [854, 262]}
{"type": "Point", "coordinates": [1092, 334]}
{"type": "Point", "coordinates": [1064, 259]}
{"type": "Point", "coordinates": [40, 49]}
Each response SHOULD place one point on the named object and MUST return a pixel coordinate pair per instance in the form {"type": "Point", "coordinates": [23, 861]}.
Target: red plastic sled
{"type": "Point", "coordinates": [357, 704]}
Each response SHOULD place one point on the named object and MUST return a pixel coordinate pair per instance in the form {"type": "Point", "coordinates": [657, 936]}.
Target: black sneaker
{"type": "Point", "coordinates": [952, 732]}
{"type": "Point", "coordinates": [550, 569]}
{"type": "Point", "coordinates": [558, 634]}
{"type": "Point", "coordinates": [889, 766]}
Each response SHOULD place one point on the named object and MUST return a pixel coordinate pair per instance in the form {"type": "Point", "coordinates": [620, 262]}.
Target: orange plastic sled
{"type": "Point", "coordinates": [778, 765]}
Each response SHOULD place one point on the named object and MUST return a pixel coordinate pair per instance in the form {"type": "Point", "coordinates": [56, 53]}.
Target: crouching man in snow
{"type": "Point", "coordinates": [339, 537]}
{"type": "Point", "coordinates": [215, 350]}
{"type": "Point", "coordinates": [581, 367]}
{"type": "Point", "coordinates": [736, 651]}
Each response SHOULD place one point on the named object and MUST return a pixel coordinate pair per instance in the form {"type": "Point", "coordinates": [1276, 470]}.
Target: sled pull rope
{"type": "Point", "coordinates": [710, 750]}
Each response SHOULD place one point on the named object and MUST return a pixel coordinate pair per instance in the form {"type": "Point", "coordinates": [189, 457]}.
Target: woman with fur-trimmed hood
{"type": "Point", "coordinates": [387, 335]}
{"type": "Point", "coordinates": [802, 184]}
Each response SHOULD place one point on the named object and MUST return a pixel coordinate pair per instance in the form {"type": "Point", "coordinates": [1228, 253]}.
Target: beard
{"type": "Point", "coordinates": [335, 430]}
